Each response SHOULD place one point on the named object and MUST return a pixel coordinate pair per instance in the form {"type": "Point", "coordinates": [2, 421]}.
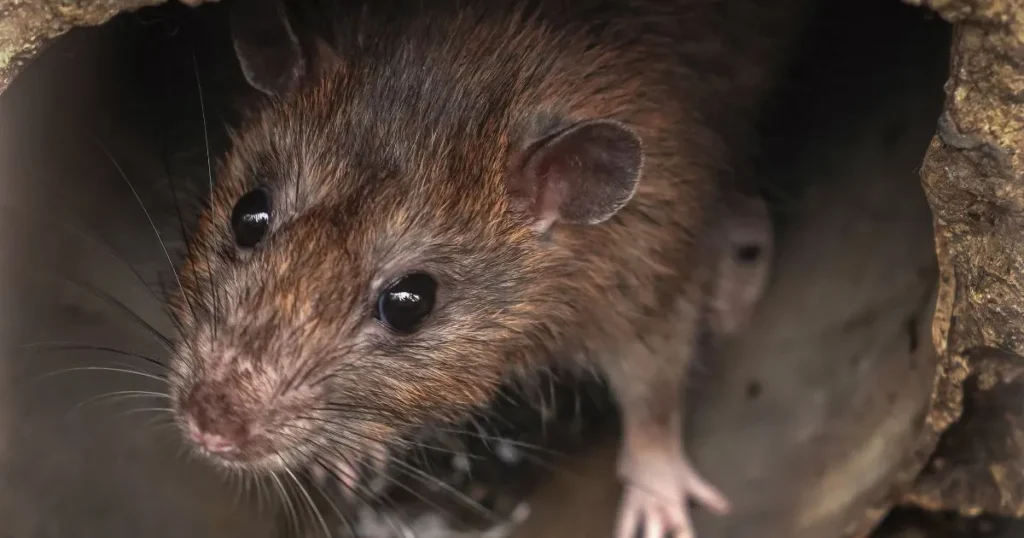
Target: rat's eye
{"type": "Point", "coordinates": [250, 218]}
{"type": "Point", "coordinates": [404, 304]}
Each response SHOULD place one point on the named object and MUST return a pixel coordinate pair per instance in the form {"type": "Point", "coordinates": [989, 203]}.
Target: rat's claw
{"type": "Point", "coordinates": [703, 492]}
{"type": "Point", "coordinates": [346, 474]}
{"type": "Point", "coordinates": [658, 508]}
{"type": "Point", "coordinates": [647, 515]}
{"type": "Point", "coordinates": [340, 474]}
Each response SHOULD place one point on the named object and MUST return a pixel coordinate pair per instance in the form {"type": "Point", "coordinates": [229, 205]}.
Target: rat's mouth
{"type": "Point", "coordinates": [261, 454]}
{"type": "Point", "coordinates": [250, 453]}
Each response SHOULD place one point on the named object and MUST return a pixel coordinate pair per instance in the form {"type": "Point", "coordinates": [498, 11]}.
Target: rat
{"type": "Point", "coordinates": [434, 197]}
{"type": "Point", "coordinates": [746, 250]}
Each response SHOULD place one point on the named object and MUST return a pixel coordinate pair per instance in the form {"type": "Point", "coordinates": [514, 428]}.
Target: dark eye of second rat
{"type": "Point", "coordinates": [406, 302]}
{"type": "Point", "coordinates": [250, 218]}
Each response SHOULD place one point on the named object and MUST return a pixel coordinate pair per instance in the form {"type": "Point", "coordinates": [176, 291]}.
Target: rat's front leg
{"type": "Point", "coordinates": [657, 476]}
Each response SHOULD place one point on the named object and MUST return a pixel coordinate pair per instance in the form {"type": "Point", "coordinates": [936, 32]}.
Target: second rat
{"type": "Point", "coordinates": [437, 196]}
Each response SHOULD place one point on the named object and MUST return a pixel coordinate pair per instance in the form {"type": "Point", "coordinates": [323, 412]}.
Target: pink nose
{"type": "Point", "coordinates": [218, 444]}
{"type": "Point", "coordinates": [215, 421]}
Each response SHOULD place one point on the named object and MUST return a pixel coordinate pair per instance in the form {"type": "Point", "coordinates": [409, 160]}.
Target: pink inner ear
{"type": "Point", "coordinates": [582, 175]}
{"type": "Point", "coordinates": [267, 48]}
{"type": "Point", "coordinates": [549, 193]}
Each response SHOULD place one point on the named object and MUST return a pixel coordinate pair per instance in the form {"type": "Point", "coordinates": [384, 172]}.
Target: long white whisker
{"type": "Point", "coordinates": [78, 346]}
{"type": "Point", "coordinates": [291, 514]}
{"type": "Point", "coordinates": [333, 506]}
{"type": "Point", "coordinates": [122, 395]}
{"type": "Point", "coordinates": [312, 506]}
{"type": "Point", "coordinates": [96, 241]}
{"type": "Point", "coordinates": [101, 368]}
{"type": "Point", "coordinates": [156, 231]}
{"type": "Point", "coordinates": [209, 172]}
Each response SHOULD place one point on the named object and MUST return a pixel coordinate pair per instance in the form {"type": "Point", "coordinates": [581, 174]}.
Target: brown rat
{"type": "Point", "coordinates": [745, 236]}
{"type": "Point", "coordinates": [445, 195]}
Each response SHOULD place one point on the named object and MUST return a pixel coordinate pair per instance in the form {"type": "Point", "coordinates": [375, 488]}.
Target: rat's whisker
{"type": "Point", "coordinates": [231, 481]}
{"type": "Point", "coordinates": [97, 241]}
{"type": "Point", "coordinates": [120, 396]}
{"type": "Point", "coordinates": [301, 507]}
{"type": "Point", "coordinates": [77, 346]}
{"type": "Point", "coordinates": [290, 514]}
{"type": "Point", "coordinates": [308, 366]}
{"type": "Point", "coordinates": [312, 362]}
{"type": "Point", "coordinates": [365, 414]}
{"type": "Point", "coordinates": [347, 480]}
{"type": "Point", "coordinates": [98, 369]}
{"type": "Point", "coordinates": [354, 412]}
{"type": "Point", "coordinates": [534, 453]}
{"type": "Point", "coordinates": [111, 397]}
{"type": "Point", "coordinates": [407, 443]}
{"type": "Point", "coordinates": [118, 304]}
{"type": "Point", "coordinates": [427, 480]}
{"type": "Point", "coordinates": [330, 502]}
{"type": "Point", "coordinates": [209, 172]}
{"type": "Point", "coordinates": [353, 486]}
{"type": "Point", "coordinates": [265, 497]}
{"type": "Point", "coordinates": [464, 499]}
{"type": "Point", "coordinates": [161, 421]}
{"type": "Point", "coordinates": [369, 497]}
{"type": "Point", "coordinates": [160, 410]}
{"type": "Point", "coordinates": [366, 497]}
{"type": "Point", "coordinates": [152, 224]}
{"type": "Point", "coordinates": [422, 477]}
{"type": "Point", "coordinates": [253, 490]}
{"type": "Point", "coordinates": [167, 410]}
{"type": "Point", "coordinates": [312, 505]}
{"type": "Point", "coordinates": [242, 487]}
{"type": "Point", "coordinates": [189, 301]}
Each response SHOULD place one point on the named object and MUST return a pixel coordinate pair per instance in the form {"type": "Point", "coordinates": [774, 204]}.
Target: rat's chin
{"type": "Point", "coordinates": [257, 455]}
{"type": "Point", "coordinates": [259, 461]}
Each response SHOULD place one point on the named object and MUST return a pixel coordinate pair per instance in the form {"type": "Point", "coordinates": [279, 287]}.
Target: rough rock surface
{"type": "Point", "coordinates": [26, 26]}
{"type": "Point", "coordinates": [974, 177]}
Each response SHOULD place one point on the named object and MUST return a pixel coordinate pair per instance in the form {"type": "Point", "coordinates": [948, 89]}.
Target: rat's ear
{"type": "Point", "coordinates": [324, 58]}
{"type": "Point", "coordinates": [582, 175]}
{"type": "Point", "coordinates": [267, 48]}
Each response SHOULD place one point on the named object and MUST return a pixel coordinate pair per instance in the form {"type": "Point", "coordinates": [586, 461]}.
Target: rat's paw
{"type": "Point", "coordinates": [341, 476]}
{"type": "Point", "coordinates": [658, 508]}
{"type": "Point", "coordinates": [350, 477]}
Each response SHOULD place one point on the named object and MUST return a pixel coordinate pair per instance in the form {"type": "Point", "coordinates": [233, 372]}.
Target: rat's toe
{"type": "Point", "coordinates": [653, 528]}
{"type": "Point", "coordinates": [647, 515]}
{"type": "Point", "coordinates": [630, 520]}
{"type": "Point", "coordinates": [702, 491]}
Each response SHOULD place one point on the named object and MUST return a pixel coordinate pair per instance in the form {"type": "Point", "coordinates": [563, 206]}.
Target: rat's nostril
{"type": "Point", "coordinates": [214, 424]}
{"type": "Point", "coordinates": [216, 442]}
{"type": "Point", "coordinates": [219, 437]}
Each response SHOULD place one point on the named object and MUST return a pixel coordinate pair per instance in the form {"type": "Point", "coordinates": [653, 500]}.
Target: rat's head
{"type": "Point", "coordinates": [360, 273]}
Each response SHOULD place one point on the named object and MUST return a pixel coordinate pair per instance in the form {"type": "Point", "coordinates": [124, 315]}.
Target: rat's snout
{"type": "Point", "coordinates": [216, 422]}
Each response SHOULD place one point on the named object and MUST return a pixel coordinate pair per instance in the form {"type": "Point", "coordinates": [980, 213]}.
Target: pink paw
{"type": "Point", "coordinates": [348, 475]}
{"type": "Point", "coordinates": [655, 506]}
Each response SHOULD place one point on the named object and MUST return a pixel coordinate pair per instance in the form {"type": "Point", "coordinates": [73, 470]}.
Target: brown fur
{"type": "Point", "coordinates": [393, 156]}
